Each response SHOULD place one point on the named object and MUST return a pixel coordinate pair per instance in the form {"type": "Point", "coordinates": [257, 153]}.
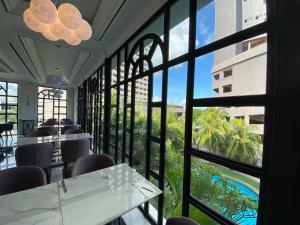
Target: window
{"type": "Point", "coordinates": [154, 112]}
{"type": "Point", "coordinates": [217, 76]}
{"type": "Point", "coordinates": [227, 88]}
{"type": "Point", "coordinates": [9, 105]}
{"type": "Point", "coordinates": [52, 103]}
{"type": "Point", "coordinates": [227, 73]}
{"type": "Point", "coordinates": [256, 119]}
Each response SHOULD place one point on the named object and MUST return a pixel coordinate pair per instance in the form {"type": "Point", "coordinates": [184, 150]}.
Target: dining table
{"type": "Point", "coordinates": [95, 198]}
{"type": "Point", "coordinates": [60, 125]}
{"type": "Point", "coordinates": [21, 140]}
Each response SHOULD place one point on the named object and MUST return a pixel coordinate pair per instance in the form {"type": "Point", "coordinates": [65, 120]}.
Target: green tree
{"type": "Point", "coordinates": [243, 141]}
{"type": "Point", "coordinates": [210, 129]}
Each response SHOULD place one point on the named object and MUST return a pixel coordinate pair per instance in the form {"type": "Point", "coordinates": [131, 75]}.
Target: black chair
{"type": "Point", "coordinates": [50, 130]}
{"type": "Point", "coordinates": [21, 178]}
{"type": "Point", "coordinates": [73, 131]}
{"type": "Point", "coordinates": [35, 155]}
{"type": "Point", "coordinates": [181, 221]}
{"type": "Point", "coordinates": [67, 121]}
{"type": "Point", "coordinates": [50, 122]}
{"type": "Point", "coordinates": [27, 126]}
{"type": "Point", "coordinates": [6, 150]}
{"type": "Point", "coordinates": [90, 163]}
{"type": "Point", "coordinates": [6, 127]}
{"type": "Point", "coordinates": [37, 133]}
{"type": "Point", "coordinates": [71, 151]}
{"type": "Point", "coordinates": [68, 127]}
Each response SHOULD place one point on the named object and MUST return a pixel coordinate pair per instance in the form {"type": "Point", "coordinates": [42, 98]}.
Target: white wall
{"type": "Point", "coordinates": [27, 102]}
{"type": "Point", "coordinates": [70, 104]}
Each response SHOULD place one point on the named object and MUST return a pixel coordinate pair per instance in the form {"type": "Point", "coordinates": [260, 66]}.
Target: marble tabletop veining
{"type": "Point", "coordinates": [92, 199]}
{"type": "Point", "coordinates": [37, 206]}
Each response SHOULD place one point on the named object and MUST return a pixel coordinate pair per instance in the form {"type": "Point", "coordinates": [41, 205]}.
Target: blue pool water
{"type": "Point", "coordinates": [247, 192]}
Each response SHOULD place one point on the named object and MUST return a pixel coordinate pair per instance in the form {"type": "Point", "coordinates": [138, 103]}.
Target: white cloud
{"type": "Point", "coordinates": [206, 34]}
{"type": "Point", "coordinates": [179, 39]}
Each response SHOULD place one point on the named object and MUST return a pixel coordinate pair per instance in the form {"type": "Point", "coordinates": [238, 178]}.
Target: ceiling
{"type": "Point", "coordinates": [27, 56]}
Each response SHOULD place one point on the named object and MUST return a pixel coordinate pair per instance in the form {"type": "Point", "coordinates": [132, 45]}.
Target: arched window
{"type": "Point", "coordinates": [52, 103]}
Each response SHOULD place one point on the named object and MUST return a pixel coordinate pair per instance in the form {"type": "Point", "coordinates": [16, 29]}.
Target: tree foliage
{"type": "Point", "coordinates": [213, 132]}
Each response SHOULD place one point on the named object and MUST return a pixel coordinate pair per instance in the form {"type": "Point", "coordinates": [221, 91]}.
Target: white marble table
{"type": "Point", "coordinates": [91, 199]}
{"type": "Point", "coordinates": [48, 139]}
{"type": "Point", "coordinates": [59, 125]}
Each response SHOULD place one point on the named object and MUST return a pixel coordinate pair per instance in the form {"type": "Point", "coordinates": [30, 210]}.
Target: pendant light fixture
{"type": "Point", "coordinates": [66, 23]}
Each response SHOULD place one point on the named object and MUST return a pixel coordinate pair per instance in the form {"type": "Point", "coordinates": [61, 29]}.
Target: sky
{"type": "Point", "coordinates": [203, 65]}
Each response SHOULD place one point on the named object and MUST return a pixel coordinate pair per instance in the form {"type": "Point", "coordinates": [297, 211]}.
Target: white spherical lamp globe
{"type": "Point", "coordinates": [59, 30]}
{"type": "Point", "coordinates": [32, 22]}
{"type": "Point", "coordinates": [69, 15]}
{"type": "Point", "coordinates": [73, 40]}
{"type": "Point", "coordinates": [84, 32]}
{"type": "Point", "coordinates": [49, 35]}
{"type": "Point", "coordinates": [43, 10]}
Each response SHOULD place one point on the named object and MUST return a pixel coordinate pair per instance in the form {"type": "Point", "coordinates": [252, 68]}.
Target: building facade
{"type": "Point", "coordinates": [240, 69]}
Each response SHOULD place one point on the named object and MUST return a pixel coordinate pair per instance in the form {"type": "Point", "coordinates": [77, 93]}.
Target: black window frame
{"type": "Point", "coordinates": [6, 96]}
{"type": "Point", "coordinates": [191, 102]}
{"type": "Point", "coordinates": [46, 94]}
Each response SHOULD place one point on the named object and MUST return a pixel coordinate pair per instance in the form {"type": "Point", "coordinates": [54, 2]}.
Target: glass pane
{"type": "Point", "coordinates": [218, 19]}
{"type": "Point", "coordinates": [234, 132]}
{"type": "Point", "coordinates": [127, 142]}
{"type": "Point", "coordinates": [129, 86]}
{"type": "Point", "coordinates": [12, 118]}
{"type": "Point", "coordinates": [157, 87]}
{"type": "Point", "coordinates": [113, 116]}
{"type": "Point", "coordinates": [3, 88]}
{"type": "Point", "coordinates": [140, 126]}
{"type": "Point", "coordinates": [154, 160]}
{"type": "Point", "coordinates": [114, 70]}
{"type": "Point", "coordinates": [122, 65]}
{"type": "Point", "coordinates": [155, 27]}
{"type": "Point", "coordinates": [128, 118]}
{"type": "Point", "coordinates": [2, 99]}
{"type": "Point", "coordinates": [141, 90]}
{"type": "Point", "coordinates": [179, 29]}
{"type": "Point", "coordinates": [175, 140]}
{"type": "Point", "coordinates": [12, 89]}
{"type": "Point", "coordinates": [153, 206]}
{"type": "Point", "coordinates": [156, 120]}
{"type": "Point", "coordinates": [113, 97]}
{"type": "Point", "coordinates": [2, 118]}
{"type": "Point", "coordinates": [233, 194]}
{"type": "Point", "coordinates": [227, 72]}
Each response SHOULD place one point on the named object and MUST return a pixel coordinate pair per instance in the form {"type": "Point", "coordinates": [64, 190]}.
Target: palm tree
{"type": "Point", "coordinates": [243, 142]}
{"type": "Point", "coordinates": [210, 130]}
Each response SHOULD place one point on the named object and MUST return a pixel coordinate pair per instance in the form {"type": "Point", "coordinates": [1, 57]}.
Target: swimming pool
{"type": "Point", "coordinates": [245, 191]}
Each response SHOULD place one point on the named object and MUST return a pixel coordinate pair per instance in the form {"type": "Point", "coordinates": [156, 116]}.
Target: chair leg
{"type": "Point", "coordinates": [48, 175]}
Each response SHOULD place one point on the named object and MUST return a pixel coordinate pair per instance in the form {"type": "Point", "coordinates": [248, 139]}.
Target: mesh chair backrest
{"type": "Point", "coordinates": [34, 155]}
{"type": "Point", "coordinates": [74, 149]}
{"type": "Point", "coordinates": [21, 178]}
{"type": "Point", "coordinates": [90, 163]}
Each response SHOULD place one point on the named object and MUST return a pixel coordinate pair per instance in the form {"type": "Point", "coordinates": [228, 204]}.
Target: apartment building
{"type": "Point", "coordinates": [240, 69]}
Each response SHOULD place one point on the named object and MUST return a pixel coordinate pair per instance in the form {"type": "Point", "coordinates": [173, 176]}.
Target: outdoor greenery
{"type": "Point", "coordinates": [214, 132]}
